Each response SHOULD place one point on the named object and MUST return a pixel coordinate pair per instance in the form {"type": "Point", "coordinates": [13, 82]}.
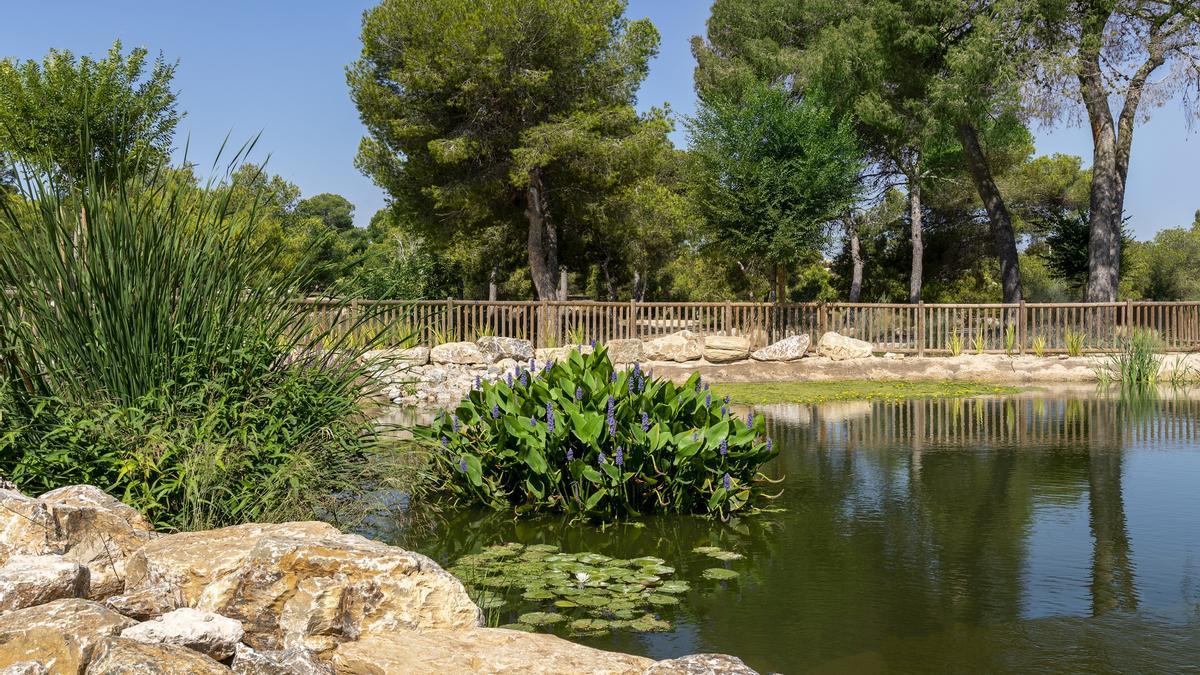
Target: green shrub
{"type": "Point", "coordinates": [955, 343]}
{"type": "Point", "coordinates": [581, 438]}
{"type": "Point", "coordinates": [146, 349]}
{"type": "Point", "coordinates": [1137, 363]}
{"type": "Point", "coordinates": [1075, 341]}
{"type": "Point", "coordinates": [1039, 346]}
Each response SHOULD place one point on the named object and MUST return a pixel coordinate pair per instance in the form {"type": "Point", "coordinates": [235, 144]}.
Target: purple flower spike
{"type": "Point", "coordinates": [727, 399]}
{"type": "Point", "coordinates": [727, 481]}
{"type": "Point", "coordinates": [750, 418]}
{"type": "Point", "coordinates": [524, 378]}
{"type": "Point", "coordinates": [570, 454]}
{"type": "Point", "coordinates": [578, 393]}
{"type": "Point", "coordinates": [724, 447]}
{"type": "Point", "coordinates": [531, 366]}
{"type": "Point", "coordinates": [495, 411]}
{"type": "Point", "coordinates": [508, 379]}
{"type": "Point", "coordinates": [613, 376]}
{"type": "Point", "coordinates": [706, 387]}
{"type": "Point", "coordinates": [533, 421]}
{"type": "Point", "coordinates": [546, 368]}
{"type": "Point", "coordinates": [708, 401]}
{"type": "Point", "coordinates": [645, 421]}
{"type": "Point", "coordinates": [723, 411]}
{"type": "Point", "coordinates": [462, 465]}
{"type": "Point", "coordinates": [454, 423]}
{"type": "Point", "coordinates": [698, 381]}
{"type": "Point", "coordinates": [620, 459]}
{"type": "Point", "coordinates": [593, 343]}
{"type": "Point", "coordinates": [631, 378]}
{"type": "Point", "coordinates": [550, 417]}
{"type": "Point", "coordinates": [612, 419]}
{"type": "Point", "coordinates": [637, 369]}
{"type": "Point", "coordinates": [601, 459]}
{"type": "Point", "coordinates": [641, 383]}
{"type": "Point", "coordinates": [478, 382]}
{"type": "Point", "coordinates": [445, 441]}
{"type": "Point", "coordinates": [769, 444]}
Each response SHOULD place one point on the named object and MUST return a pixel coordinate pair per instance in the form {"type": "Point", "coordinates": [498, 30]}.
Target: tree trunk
{"type": "Point", "coordinates": [916, 216]}
{"type": "Point", "coordinates": [855, 258]}
{"type": "Point", "coordinates": [493, 289]}
{"type": "Point", "coordinates": [562, 283]}
{"type": "Point", "coordinates": [543, 239]}
{"type": "Point", "coordinates": [998, 215]}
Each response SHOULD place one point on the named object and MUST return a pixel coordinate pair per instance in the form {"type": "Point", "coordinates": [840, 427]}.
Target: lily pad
{"type": "Point", "coordinates": [537, 594]}
{"type": "Point", "coordinates": [719, 574]}
{"type": "Point", "coordinates": [592, 600]}
{"type": "Point", "coordinates": [647, 560]}
{"type": "Point", "coordinates": [674, 586]}
{"type": "Point", "coordinates": [523, 627]}
{"type": "Point", "coordinates": [648, 623]}
{"type": "Point", "coordinates": [565, 604]}
{"type": "Point", "coordinates": [660, 599]}
{"type": "Point", "coordinates": [590, 625]}
{"type": "Point", "coordinates": [544, 548]}
{"type": "Point", "coordinates": [726, 555]}
{"type": "Point", "coordinates": [541, 618]}
{"type": "Point", "coordinates": [705, 550]}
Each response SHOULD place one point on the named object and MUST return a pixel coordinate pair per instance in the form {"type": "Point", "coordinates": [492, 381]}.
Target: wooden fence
{"type": "Point", "coordinates": [910, 329]}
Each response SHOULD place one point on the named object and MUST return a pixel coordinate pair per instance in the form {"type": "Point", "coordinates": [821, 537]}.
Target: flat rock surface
{"type": "Point", "coordinates": [482, 650]}
{"type": "Point", "coordinates": [28, 580]}
{"type": "Point", "coordinates": [787, 349]}
{"type": "Point", "coordinates": [60, 634]}
{"type": "Point", "coordinates": [210, 634]}
{"type": "Point", "coordinates": [290, 661]}
{"type": "Point", "coordinates": [122, 656]}
{"type": "Point", "coordinates": [701, 664]}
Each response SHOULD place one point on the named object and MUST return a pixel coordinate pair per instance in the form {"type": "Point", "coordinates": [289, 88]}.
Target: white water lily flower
{"type": "Point", "coordinates": [582, 577]}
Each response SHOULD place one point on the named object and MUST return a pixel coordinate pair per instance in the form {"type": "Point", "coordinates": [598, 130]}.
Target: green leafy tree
{"type": "Point", "coordinates": [1091, 54]}
{"type": "Point", "coordinates": [334, 211]}
{"type": "Point", "coordinates": [771, 172]}
{"type": "Point", "coordinates": [485, 115]}
{"type": "Point", "coordinates": [75, 115]}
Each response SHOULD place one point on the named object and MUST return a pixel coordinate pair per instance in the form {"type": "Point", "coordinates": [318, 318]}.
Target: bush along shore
{"type": "Point", "coordinates": [87, 586]}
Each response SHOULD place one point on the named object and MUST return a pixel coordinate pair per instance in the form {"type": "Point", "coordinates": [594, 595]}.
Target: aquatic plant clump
{"type": "Point", "coordinates": [581, 593]}
{"type": "Point", "coordinates": [583, 438]}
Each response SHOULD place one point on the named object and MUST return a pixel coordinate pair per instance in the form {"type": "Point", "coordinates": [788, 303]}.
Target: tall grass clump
{"type": "Point", "coordinates": [147, 348]}
{"type": "Point", "coordinates": [1137, 363]}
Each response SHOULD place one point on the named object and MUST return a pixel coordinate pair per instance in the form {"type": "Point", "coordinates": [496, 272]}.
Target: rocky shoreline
{"type": "Point", "coordinates": [87, 587]}
{"type": "Point", "coordinates": [427, 378]}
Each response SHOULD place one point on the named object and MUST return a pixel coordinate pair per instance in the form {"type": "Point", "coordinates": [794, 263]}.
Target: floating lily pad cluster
{"type": "Point", "coordinates": [581, 593]}
{"type": "Point", "coordinates": [718, 573]}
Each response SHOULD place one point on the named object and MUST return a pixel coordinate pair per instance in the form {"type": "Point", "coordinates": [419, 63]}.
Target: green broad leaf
{"type": "Point", "coordinates": [587, 427]}
{"type": "Point", "coordinates": [474, 470]}
{"type": "Point", "coordinates": [716, 498]}
{"type": "Point", "coordinates": [593, 500]}
{"type": "Point", "coordinates": [719, 574]}
{"type": "Point", "coordinates": [715, 433]}
{"type": "Point", "coordinates": [591, 475]}
{"type": "Point", "coordinates": [612, 470]}
{"type": "Point", "coordinates": [536, 460]}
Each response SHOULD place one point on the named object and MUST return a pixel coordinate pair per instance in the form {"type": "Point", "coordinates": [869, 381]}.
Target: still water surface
{"type": "Point", "coordinates": [1047, 532]}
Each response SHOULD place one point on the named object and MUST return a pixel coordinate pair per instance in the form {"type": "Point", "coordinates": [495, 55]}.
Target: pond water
{"type": "Point", "coordinates": [1055, 532]}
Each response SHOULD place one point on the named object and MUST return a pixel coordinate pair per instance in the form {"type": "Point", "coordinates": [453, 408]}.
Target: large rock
{"type": "Point", "coordinates": [413, 356]}
{"type": "Point", "coordinates": [482, 650]}
{"type": "Point", "coordinates": [462, 353]}
{"type": "Point", "coordinates": [497, 348]}
{"type": "Point", "coordinates": [842, 348]}
{"type": "Point", "coordinates": [122, 656]}
{"type": "Point", "coordinates": [210, 634]}
{"type": "Point", "coordinates": [303, 583]}
{"type": "Point", "coordinates": [28, 580]}
{"type": "Point", "coordinates": [60, 635]}
{"type": "Point", "coordinates": [787, 349]}
{"type": "Point", "coordinates": [701, 664]}
{"type": "Point", "coordinates": [726, 348]}
{"type": "Point", "coordinates": [25, 668]}
{"type": "Point", "coordinates": [80, 523]}
{"type": "Point", "coordinates": [290, 661]}
{"type": "Point", "coordinates": [624, 351]}
{"type": "Point", "coordinates": [679, 347]}
{"type": "Point", "coordinates": [545, 354]}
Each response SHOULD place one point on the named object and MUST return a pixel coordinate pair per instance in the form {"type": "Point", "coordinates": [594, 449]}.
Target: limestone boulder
{"type": "Point", "coordinates": [726, 348]}
{"type": "Point", "coordinates": [481, 650]}
{"type": "Point", "coordinates": [461, 353]}
{"type": "Point", "coordinates": [701, 664]}
{"type": "Point", "coordinates": [303, 584]}
{"type": "Point", "coordinates": [61, 634]}
{"type": "Point", "coordinates": [210, 634]}
{"type": "Point", "coordinates": [497, 348]}
{"type": "Point", "coordinates": [80, 523]}
{"type": "Point", "coordinates": [25, 668]}
{"type": "Point", "coordinates": [132, 657]}
{"type": "Point", "coordinates": [624, 351]}
{"type": "Point", "coordinates": [290, 661]}
{"type": "Point", "coordinates": [28, 580]}
{"type": "Point", "coordinates": [678, 347]}
{"type": "Point", "coordinates": [842, 348]}
{"type": "Point", "coordinates": [146, 602]}
{"type": "Point", "coordinates": [413, 356]}
{"type": "Point", "coordinates": [545, 354]}
{"type": "Point", "coordinates": [787, 349]}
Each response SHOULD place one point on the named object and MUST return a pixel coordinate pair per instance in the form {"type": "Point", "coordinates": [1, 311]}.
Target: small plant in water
{"type": "Point", "coordinates": [978, 343]}
{"type": "Point", "coordinates": [1137, 364]}
{"type": "Point", "coordinates": [1039, 346]}
{"type": "Point", "coordinates": [556, 444]}
{"type": "Point", "coordinates": [1010, 339]}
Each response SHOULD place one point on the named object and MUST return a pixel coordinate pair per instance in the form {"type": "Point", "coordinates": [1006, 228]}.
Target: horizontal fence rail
{"type": "Point", "coordinates": [934, 329]}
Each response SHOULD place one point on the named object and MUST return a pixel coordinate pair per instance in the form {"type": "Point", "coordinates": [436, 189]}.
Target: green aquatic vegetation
{"type": "Point", "coordinates": [582, 438]}
{"type": "Point", "coordinates": [588, 592]}
{"type": "Point", "coordinates": [726, 555]}
{"type": "Point", "coordinates": [719, 574]}
{"type": "Point", "coordinates": [765, 393]}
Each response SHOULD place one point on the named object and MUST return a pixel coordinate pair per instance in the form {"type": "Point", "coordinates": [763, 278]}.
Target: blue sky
{"type": "Point", "coordinates": [278, 67]}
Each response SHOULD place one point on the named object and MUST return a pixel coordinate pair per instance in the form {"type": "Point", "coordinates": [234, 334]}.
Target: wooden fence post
{"type": "Point", "coordinates": [451, 327]}
{"type": "Point", "coordinates": [1021, 328]}
{"type": "Point", "coordinates": [631, 324]}
{"type": "Point", "coordinates": [921, 339]}
{"type": "Point", "coordinates": [728, 318]}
